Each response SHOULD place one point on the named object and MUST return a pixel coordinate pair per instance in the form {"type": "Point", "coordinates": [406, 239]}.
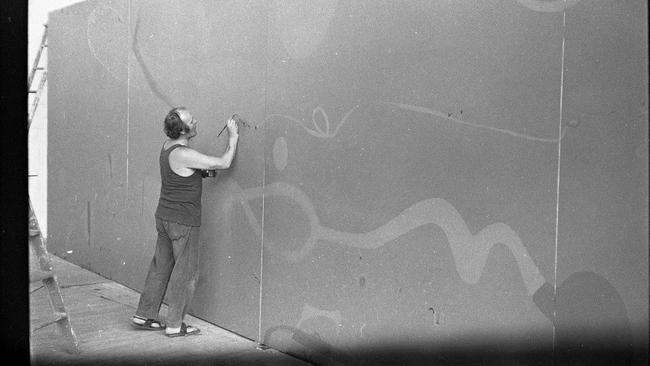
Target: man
{"type": "Point", "coordinates": [174, 267]}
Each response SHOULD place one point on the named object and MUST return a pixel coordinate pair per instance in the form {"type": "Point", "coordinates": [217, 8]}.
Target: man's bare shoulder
{"type": "Point", "coordinates": [185, 154]}
{"type": "Point", "coordinates": [184, 150]}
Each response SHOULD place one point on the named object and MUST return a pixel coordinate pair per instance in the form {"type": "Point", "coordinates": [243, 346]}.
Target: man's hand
{"type": "Point", "coordinates": [233, 130]}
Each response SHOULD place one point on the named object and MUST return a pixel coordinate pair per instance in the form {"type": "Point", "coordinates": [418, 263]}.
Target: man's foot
{"type": "Point", "coordinates": [184, 330]}
{"type": "Point", "coordinates": [146, 324]}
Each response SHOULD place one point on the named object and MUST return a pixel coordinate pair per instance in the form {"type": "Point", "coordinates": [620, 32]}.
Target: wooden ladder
{"type": "Point", "coordinates": [36, 240]}
{"type": "Point", "coordinates": [37, 67]}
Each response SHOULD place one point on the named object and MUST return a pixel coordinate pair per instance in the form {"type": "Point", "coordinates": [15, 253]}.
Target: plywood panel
{"type": "Point", "coordinates": [397, 179]}
{"type": "Point", "coordinates": [410, 197]}
{"type": "Point", "coordinates": [133, 61]}
{"type": "Point", "coordinates": [603, 232]}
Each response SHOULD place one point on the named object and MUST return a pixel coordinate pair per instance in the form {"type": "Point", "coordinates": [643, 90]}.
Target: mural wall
{"type": "Point", "coordinates": [430, 176]}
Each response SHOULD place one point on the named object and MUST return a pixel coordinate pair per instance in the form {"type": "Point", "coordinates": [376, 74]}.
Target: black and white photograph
{"type": "Point", "coordinates": [337, 182]}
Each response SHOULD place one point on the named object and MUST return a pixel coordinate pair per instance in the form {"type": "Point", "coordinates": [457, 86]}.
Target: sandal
{"type": "Point", "coordinates": [149, 324]}
{"type": "Point", "coordinates": [186, 330]}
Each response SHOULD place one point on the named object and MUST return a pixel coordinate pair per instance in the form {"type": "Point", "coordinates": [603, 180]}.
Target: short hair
{"type": "Point", "coordinates": [174, 125]}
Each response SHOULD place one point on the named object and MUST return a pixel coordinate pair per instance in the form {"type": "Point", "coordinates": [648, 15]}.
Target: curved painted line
{"type": "Point", "coordinates": [310, 312]}
{"type": "Point", "coordinates": [93, 16]}
{"type": "Point", "coordinates": [444, 116]}
{"type": "Point", "coordinates": [345, 118]}
{"type": "Point", "coordinates": [147, 74]}
{"type": "Point", "coordinates": [327, 121]}
{"type": "Point", "coordinates": [469, 251]}
{"type": "Point", "coordinates": [317, 131]}
{"type": "Point", "coordinates": [548, 6]}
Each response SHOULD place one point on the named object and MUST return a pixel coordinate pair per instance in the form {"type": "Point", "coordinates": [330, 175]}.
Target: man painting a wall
{"type": "Point", "coordinates": [174, 266]}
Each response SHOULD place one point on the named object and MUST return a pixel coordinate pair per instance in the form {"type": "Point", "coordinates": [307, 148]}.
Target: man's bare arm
{"type": "Point", "coordinates": [193, 159]}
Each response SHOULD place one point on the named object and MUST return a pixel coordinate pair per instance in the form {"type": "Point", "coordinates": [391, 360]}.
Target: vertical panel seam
{"type": "Point", "coordinates": [557, 187]}
{"type": "Point", "coordinates": [128, 101]}
{"type": "Point", "coordinates": [266, 72]}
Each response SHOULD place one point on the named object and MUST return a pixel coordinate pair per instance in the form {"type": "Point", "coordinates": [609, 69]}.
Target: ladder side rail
{"type": "Point", "coordinates": [63, 319]}
{"type": "Point", "coordinates": [37, 243]}
{"type": "Point", "coordinates": [37, 98]}
{"type": "Point", "coordinates": [36, 240]}
{"type": "Point", "coordinates": [37, 59]}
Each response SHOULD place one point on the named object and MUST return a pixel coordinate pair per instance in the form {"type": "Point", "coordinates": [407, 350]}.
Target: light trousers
{"type": "Point", "coordinates": [173, 270]}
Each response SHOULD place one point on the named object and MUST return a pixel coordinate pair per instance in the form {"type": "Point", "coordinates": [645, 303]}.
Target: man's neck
{"type": "Point", "coordinates": [179, 141]}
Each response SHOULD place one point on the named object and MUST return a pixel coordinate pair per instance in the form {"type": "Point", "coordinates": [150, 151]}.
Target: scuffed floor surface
{"type": "Point", "coordinates": [100, 312]}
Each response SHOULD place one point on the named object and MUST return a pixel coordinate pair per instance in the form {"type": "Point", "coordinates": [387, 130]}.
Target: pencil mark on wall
{"type": "Point", "coordinates": [449, 117]}
{"type": "Point", "coordinates": [110, 165]}
{"type": "Point", "coordinates": [548, 6]}
{"type": "Point", "coordinates": [106, 200]}
{"type": "Point", "coordinates": [142, 198]}
{"type": "Point", "coordinates": [436, 315]}
{"type": "Point", "coordinates": [105, 34]}
{"type": "Point", "coordinates": [88, 223]}
{"type": "Point", "coordinates": [469, 251]}
{"type": "Point", "coordinates": [155, 89]}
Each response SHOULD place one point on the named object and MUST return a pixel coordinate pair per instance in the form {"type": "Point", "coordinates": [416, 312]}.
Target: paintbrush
{"type": "Point", "coordinates": [235, 117]}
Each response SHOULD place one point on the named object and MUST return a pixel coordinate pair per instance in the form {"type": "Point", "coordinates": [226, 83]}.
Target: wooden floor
{"type": "Point", "coordinates": [100, 312]}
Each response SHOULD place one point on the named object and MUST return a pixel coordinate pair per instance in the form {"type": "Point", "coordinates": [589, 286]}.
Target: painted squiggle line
{"type": "Point", "coordinates": [147, 74]}
{"type": "Point", "coordinates": [546, 6]}
{"type": "Point", "coordinates": [310, 312]}
{"type": "Point", "coordinates": [425, 110]}
{"type": "Point", "coordinates": [469, 251]}
{"type": "Point", "coordinates": [92, 18]}
{"type": "Point", "coordinates": [316, 131]}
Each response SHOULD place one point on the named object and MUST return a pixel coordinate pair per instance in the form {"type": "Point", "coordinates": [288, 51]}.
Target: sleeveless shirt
{"type": "Point", "coordinates": [180, 197]}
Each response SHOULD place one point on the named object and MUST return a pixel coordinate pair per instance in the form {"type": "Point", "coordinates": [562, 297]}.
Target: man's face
{"type": "Point", "coordinates": [190, 121]}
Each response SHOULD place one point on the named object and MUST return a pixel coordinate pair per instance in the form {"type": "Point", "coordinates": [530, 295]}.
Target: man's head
{"type": "Point", "coordinates": [179, 122]}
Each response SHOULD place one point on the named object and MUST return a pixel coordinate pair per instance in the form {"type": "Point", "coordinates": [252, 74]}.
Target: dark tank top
{"type": "Point", "coordinates": [180, 197]}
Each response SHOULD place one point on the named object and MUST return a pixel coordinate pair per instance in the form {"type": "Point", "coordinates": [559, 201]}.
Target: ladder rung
{"type": "Point", "coordinates": [36, 276]}
{"type": "Point", "coordinates": [60, 316]}
{"type": "Point", "coordinates": [32, 91]}
{"type": "Point", "coordinates": [57, 318]}
{"type": "Point", "coordinates": [34, 229]}
{"type": "Point", "coordinates": [37, 59]}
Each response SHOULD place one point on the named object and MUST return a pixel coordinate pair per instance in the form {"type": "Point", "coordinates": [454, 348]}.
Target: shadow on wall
{"type": "Point", "coordinates": [589, 318]}
{"type": "Point", "coordinates": [591, 328]}
{"type": "Point", "coordinates": [478, 351]}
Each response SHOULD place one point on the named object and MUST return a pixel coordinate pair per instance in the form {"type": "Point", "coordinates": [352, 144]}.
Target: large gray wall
{"type": "Point", "coordinates": [416, 174]}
